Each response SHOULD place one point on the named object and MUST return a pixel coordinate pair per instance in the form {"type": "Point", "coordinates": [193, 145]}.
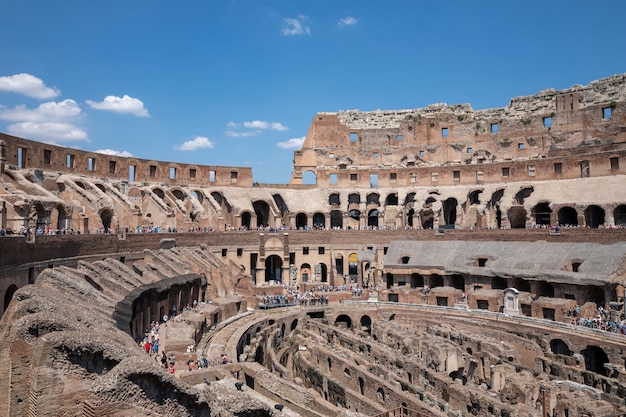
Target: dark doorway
{"type": "Point", "coordinates": [273, 268]}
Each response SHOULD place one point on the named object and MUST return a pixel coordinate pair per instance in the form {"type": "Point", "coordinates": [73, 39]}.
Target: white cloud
{"type": "Point", "coordinates": [125, 104]}
{"type": "Point", "coordinates": [258, 127]}
{"type": "Point", "coordinates": [46, 112]}
{"type": "Point", "coordinates": [28, 85]}
{"type": "Point", "coordinates": [112, 152]}
{"type": "Point", "coordinates": [347, 21]}
{"type": "Point", "coordinates": [200, 142]}
{"type": "Point", "coordinates": [295, 26]}
{"type": "Point", "coordinates": [295, 143]}
{"type": "Point", "coordinates": [62, 132]}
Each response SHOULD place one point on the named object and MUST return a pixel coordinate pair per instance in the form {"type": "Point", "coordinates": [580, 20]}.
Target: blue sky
{"type": "Point", "coordinates": [238, 82]}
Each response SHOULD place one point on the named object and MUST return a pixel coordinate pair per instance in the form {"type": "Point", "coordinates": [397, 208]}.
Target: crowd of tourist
{"type": "Point", "coordinates": [605, 319]}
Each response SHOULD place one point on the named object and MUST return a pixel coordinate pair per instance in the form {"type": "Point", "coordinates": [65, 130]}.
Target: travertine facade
{"type": "Point", "coordinates": [439, 216]}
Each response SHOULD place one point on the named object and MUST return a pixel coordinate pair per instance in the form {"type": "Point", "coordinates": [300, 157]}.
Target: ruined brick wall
{"type": "Point", "coordinates": [425, 146]}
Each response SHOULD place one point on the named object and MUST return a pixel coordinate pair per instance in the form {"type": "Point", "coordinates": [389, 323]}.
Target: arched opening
{"type": "Point", "coordinates": [354, 198]}
{"type": "Point", "coordinates": [309, 177]}
{"type": "Point", "coordinates": [333, 199]}
{"type": "Point", "coordinates": [197, 195]}
{"type": "Point", "coordinates": [380, 393]}
{"type": "Point", "coordinates": [474, 197]}
{"type": "Point", "coordinates": [294, 324]}
{"type": "Point", "coordinates": [559, 347]}
{"type": "Point", "coordinates": [594, 216]}
{"type": "Point", "coordinates": [366, 324]}
{"type": "Point", "coordinates": [301, 221]}
{"type": "Point", "coordinates": [568, 216]}
{"type": "Point", "coordinates": [436, 280]}
{"type": "Point", "coordinates": [273, 268]}
{"type": "Point", "coordinates": [362, 385]}
{"type": "Point", "coordinates": [323, 272]}
{"type": "Point", "coordinates": [541, 212]}
{"type": "Point", "coordinates": [392, 200]}
{"type": "Point", "coordinates": [8, 295]}
{"type": "Point", "coordinates": [417, 280]}
{"type": "Point", "coordinates": [305, 272]}
{"type": "Point", "coordinates": [595, 294]}
{"type": "Point", "coordinates": [262, 210]}
{"type": "Point", "coordinates": [336, 219]}
{"type": "Point", "coordinates": [517, 217]}
{"type": "Point", "coordinates": [245, 219]}
{"type": "Point", "coordinates": [353, 267]}
{"type": "Point", "coordinates": [595, 358]}
{"type": "Point", "coordinates": [63, 222]}
{"type": "Point", "coordinates": [344, 320]}
{"type": "Point", "coordinates": [523, 194]}
{"type": "Point", "coordinates": [101, 188]}
{"type": "Point", "coordinates": [39, 216]}
{"type": "Point", "coordinates": [372, 218]}
{"type": "Point", "coordinates": [319, 221]}
{"type": "Point", "coordinates": [449, 210]}
{"type": "Point", "coordinates": [159, 192]}
{"type": "Point", "coordinates": [498, 283]}
{"type": "Point", "coordinates": [354, 217]}
{"type": "Point", "coordinates": [178, 194]}
{"type": "Point", "coordinates": [458, 281]}
{"type": "Point", "coordinates": [545, 289]}
{"type": "Point", "coordinates": [106, 215]}
{"type": "Point", "coordinates": [521, 284]}
{"type": "Point", "coordinates": [498, 218]}
{"type": "Point", "coordinates": [619, 214]}
{"type": "Point", "coordinates": [428, 218]}
{"type": "Point", "coordinates": [373, 198]}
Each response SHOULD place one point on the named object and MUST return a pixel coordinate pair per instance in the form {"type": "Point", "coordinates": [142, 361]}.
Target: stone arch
{"type": "Point", "coordinates": [333, 199]}
{"type": "Point", "coordinates": [392, 199]}
{"type": "Point", "coordinates": [354, 198]}
{"type": "Point", "coordinates": [595, 358]}
{"type": "Point", "coordinates": [436, 280]}
{"type": "Point", "coordinates": [345, 319]}
{"type": "Point", "coordinates": [323, 272]}
{"type": "Point", "coordinates": [353, 265]}
{"type": "Point", "coordinates": [594, 216]}
{"type": "Point", "coordinates": [179, 194]}
{"type": "Point", "coordinates": [559, 347]}
{"type": "Point", "coordinates": [619, 215]}
{"type": "Point", "coordinates": [523, 194]}
{"type": "Point", "coordinates": [106, 215]}
{"type": "Point", "coordinates": [417, 280]}
{"type": "Point", "coordinates": [354, 219]}
{"type": "Point", "coordinates": [498, 283]}
{"type": "Point", "coordinates": [39, 216]}
{"type": "Point", "coordinates": [8, 295]}
{"type": "Point", "coordinates": [366, 321]}
{"type": "Point", "coordinates": [521, 284]}
{"type": "Point", "coordinates": [517, 217]}
{"type": "Point", "coordinates": [100, 187]}
{"type": "Point", "coordinates": [294, 324]}
{"type": "Point", "coordinates": [545, 289]}
{"type": "Point", "coordinates": [63, 220]}
{"type": "Point", "coordinates": [309, 177]}
{"type": "Point", "coordinates": [449, 211]}
{"type": "Point", "coordinates": [262, 210]}
{"type": "Point", "coordinates": [410, 198]}
{"type": "Point", "coordinates": [372, 218]}
{"type": "Point", "coordinates": [474, 196]}
{"type": "Point", "coordinates": [301, 220]}
{"type": "Point", "coordinates": [542, 212]}
{"type": "Point", "coordinates": [336, 219]}
{"type": "Point", "coordinates": [246, 218]}
{"type": "Point", "coordinates": [362, 385]}
{"type": "Point", "coordinates": [159, 192]}
{"type": "Point", "coordinates": [273, 268]}
{"type": "Point", "coordinates": [568, 216]}
{"type": "Point", "coordinates": [198, 195]}
{"type": "Point", "coordinates": [305, 272]}
{"type": "Point", "coordinates": [380, 393]}
{"type": "Point", "coordinates": [319, 220]}
{"type": "Point", "coordinates": [373, 198]}
{"type": "Point", "coordinates": [458, 281]}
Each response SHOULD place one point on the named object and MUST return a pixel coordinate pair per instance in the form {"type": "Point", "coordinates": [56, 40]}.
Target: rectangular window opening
{"type": "Point", "coordinates": [375, 154]}
{"type": "Point", "coordinates": [520, 146]}
{"type": "Point", "coordinates": [585, 172]}
{"type": "Point", "coordinates": [531, 170]}
{"type": "Point", "coordinates": [614, 163]}
{"type": "Point", "coordinates": [21, 157]}
{"type": "Point", "coordinates": [353, 177]}
{"type": "Point", "coordinates": [112, 167]}
{"type": "Point", "coordinates": [547, 121]}
{"type": "Point", "coordinates": [91, 164]}
{"type": "Point", "coordinates": [558, 168]}
{"type": "Point", "coordinates": [47, 156]}
{"type": "Point", "coordinates": [374, 181]}
{"type": "Point", "coordinates": [172, 173]}
{"type": "Point", "coordinates": [320, 250]}
{"type": "Point", "coordinates": [393, 176]}
{"type": "Point", "coordinates": [192, 173]}
{"type": "Point", "coordinates": [495, 127]}
{"type": "Point", "coordinates": [444, 132]}
{"type": "Point", "coordinates": [70, 160]}
{"type": "Point", "coordinates": [211, 176]}
{"type": "Point", "coordinates": [239, 252]}
{"type": "Point", "coordinates": [305, 250]}
{"type": "Point", "coordinates": [470, 150]}
{"type": "Point", "coordinates": [224, 252]}
{"type": "Point", "coordinates": [333, 179]}
{"type": "Point", "coordinates": [153, 171]}
{"type": "Point", "coordinates": [505, 171]}
{"type": "Point", "coordinates": [421, 153]}
{"type": "Point", "coordinates": [131, 173]}
{"type": "Point", "coordinates": [607, 112]}
{"type": "Point", "coordinates": [413, 177]}
{"type": "Point", "coordinates": [399, 137]}
{"type": "Point", "coordinates": [353, 137]}
{"type": "Point", "coordinates": [456, 175]}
